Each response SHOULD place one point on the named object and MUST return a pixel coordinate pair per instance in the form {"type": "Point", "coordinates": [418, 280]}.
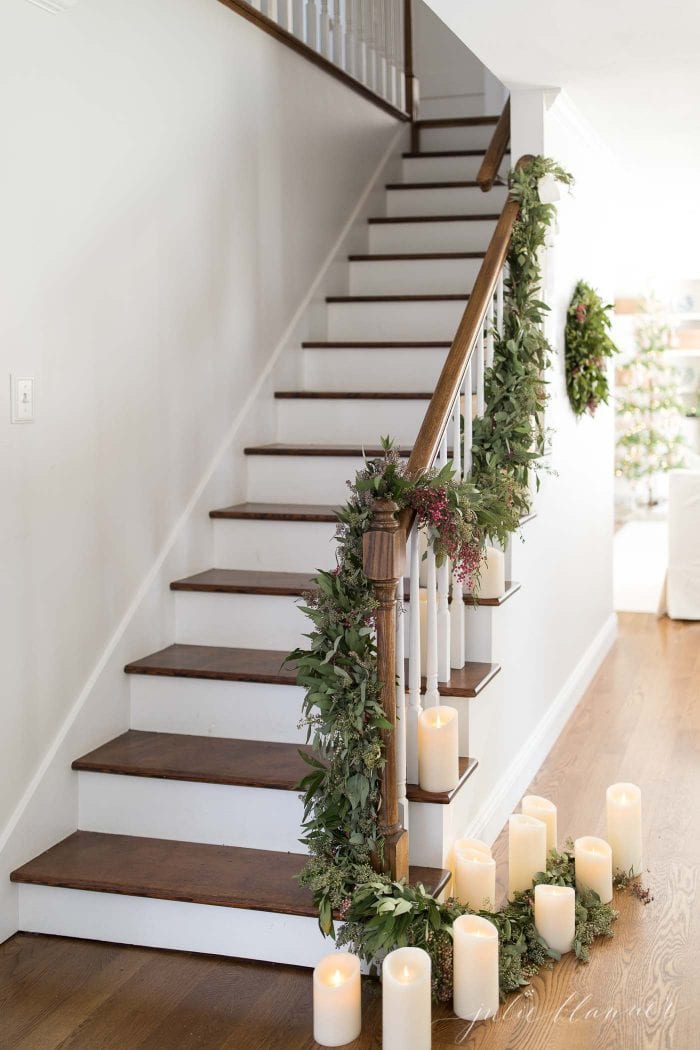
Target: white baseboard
{"type": "Point", "coordinates": [495, 811]}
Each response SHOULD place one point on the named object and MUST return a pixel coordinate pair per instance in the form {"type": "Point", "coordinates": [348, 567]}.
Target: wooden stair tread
{"type": "Point", "coordinates": [280, 449]}
{"type": "Point", "coordinates": [511, 588]}
{"type": "Point", "coordinates": [352, 395]}
{"type": "Point", "coordinates": [247, 581]}
{"type": "Point", "coordinates": [286, 584]}
{"type": "Point", "coordinates": [270, 666]}
{"type": "Point", "coordinates": [221, 760]}
{"type": "Point", "coordinates": [222, 663]}
{"type": "Point", "coordinates": [322, 512]}
{"type": "Point", "coordinates": [414, 793]}
{"type": "Point", "coordinates": [404, 344]}
{"type": "Point", "coordinates": [471, 217]}
{"type": "Point", "coordinates": [434, 297]}
{"type": "Point", "coordinates": [455, 122]}
{"type": "Point", "coordinates": [420, 155]}
{"type": "Point", "coordinates": [199, 873]}
{"type": "Point", "coordinates": [199, 759]}
{"type": "Point", "coordinates": [420, 256]}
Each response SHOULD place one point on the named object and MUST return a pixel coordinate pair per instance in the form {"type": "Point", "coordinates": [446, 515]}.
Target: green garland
{"type": "Point", "coordinates": [587, 345]}
{"type": "Point", "coordinates": [338, 670]}
{"type": "Point", "coordinates": [384, 915]}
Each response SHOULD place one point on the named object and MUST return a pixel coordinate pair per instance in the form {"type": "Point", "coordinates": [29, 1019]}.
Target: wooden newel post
{"type": "Point", "coordinates": [384, 555]}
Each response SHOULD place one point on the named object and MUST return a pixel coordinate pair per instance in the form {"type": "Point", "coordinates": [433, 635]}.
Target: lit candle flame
{"type": "Point", "coordinates": [406, 974]}
{"type": "Point", "coordinates": [335, 979]}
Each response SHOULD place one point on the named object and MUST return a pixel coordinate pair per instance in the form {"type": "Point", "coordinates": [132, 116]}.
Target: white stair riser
{"type": "Point", "coordinates": [247, 621]}
{"type": "Point", "coordinates": [209, 929]}
{"type": "Point", "coordinates": [433, 829]}
{"type": "Point", "coordinates": [467, 236]}
{"type": "Point", "coordinates": [462, 200]}
{"type": "Point", "coordinates": [202, 707]}
{"type": "Point", "coordinates": [220, 814]}
{"type": "Point", "coordinates": [413, 276]}
{"type": "Point", "coordinates": [395, 369]}
{"type": "Point", "coordinates": [308, 479]}
{"type": "Point", "coordinates": [471, 136]}
{"type": "Point", "coordinates": [440, 169]}
{"type": "Point", "coordinates": [394, 320]}
{"type": "Point", "coordinates": [315, 420]}
{"type": "Point", "coordinates": [277, 546]}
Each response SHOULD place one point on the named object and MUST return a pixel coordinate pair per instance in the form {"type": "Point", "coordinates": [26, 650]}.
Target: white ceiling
{"type": "Point", "coordinates": [633, 69]}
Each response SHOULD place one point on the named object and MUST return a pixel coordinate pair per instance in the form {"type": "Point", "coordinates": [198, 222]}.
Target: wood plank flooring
{"type": "Point", "coordinates": [640, 721]}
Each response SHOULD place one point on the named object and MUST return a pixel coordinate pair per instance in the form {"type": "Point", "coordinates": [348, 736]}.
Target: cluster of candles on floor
{"type": "Point", "coordinates": [406, 977]}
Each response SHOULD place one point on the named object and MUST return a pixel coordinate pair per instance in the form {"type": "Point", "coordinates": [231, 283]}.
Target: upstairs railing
{"type": "Point", "coordinates": [392, 549]}
{"type": "Point", "coordinates": [366, 43]}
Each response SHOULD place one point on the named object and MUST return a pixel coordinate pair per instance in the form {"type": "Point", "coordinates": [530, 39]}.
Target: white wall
{"type": "Point", "coordinates": [172, 180]}
{"type": "Point", "coordinates": [453, 81]}
{"type": "Point", "coordinates": [551, 638]}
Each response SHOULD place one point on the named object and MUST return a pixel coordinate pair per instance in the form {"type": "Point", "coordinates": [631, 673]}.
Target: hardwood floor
{"type": "Point", "coordinates": [639, 721]}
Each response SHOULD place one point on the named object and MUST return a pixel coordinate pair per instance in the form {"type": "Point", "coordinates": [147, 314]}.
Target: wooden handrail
{"type": "Point", "coordinates": [496, 151]}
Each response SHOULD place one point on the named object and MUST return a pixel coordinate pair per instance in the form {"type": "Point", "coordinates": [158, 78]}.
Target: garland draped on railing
{"type": "Point", "coordinates": [338, 670]}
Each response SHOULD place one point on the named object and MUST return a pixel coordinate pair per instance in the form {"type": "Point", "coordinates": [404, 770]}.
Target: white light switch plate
{"type": "Point", "coordinates": [23, 399]}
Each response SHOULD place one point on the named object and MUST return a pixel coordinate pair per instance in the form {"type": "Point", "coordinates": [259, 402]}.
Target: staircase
{"type": "Point", "coordinates": [190, 822]}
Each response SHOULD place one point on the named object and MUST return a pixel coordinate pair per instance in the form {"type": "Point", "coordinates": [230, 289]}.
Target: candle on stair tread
{"type": "Point", "coordinates": [492, 574]}
{"type": "Point", "coordinates": [438, 749]}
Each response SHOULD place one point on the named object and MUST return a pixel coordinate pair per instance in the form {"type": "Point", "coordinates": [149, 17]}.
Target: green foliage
{"type": "Point", "coordinates": [509, 441]}
{"type": "Point", "coordinates": [383, 915]}
{"type": "Point", "coordinates": [587, 345]}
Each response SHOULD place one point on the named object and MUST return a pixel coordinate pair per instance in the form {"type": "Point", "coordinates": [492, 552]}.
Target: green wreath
{"type": "Point", "coordinates": [587, 345]}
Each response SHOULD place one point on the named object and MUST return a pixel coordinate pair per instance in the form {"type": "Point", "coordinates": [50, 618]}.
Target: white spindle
{"type": "Point", "coordinates": [479, 366]}
{"type": "Point", "coordinates": [380, 46]}
{"type": "Point", "coordinates": [401, 705]}
{"type": "Point", "coordinates": [269, 8]}
{"type": "Point", "coordinates": [312, 24]}
{"type": "Point", "coordinates": [499, 304]}
{"type": "Point", "coordinates": [443, 611]}
{"type": "Point", "coordinates": [351, 37]}
{"type": "Point", "coordinates": [457, 641]}
{"type": "Point", "coordinates": [298, 21]}
{"type": "Point", "coordinates": [337, 34]}
{"type": "Point", "coordinates": [432, 693]}
{"type": "Point", "coordinates": [284, 14]}
{"type": "Point", "coordinates": [360, 40]}
{"type": "Point", "coordinates": [400, 64]}
{"type": "Point", "coordinates": [324, 42]}
{"type": "Point", "coordinates": [370, 75]}
{"type": "Point", "coordinates": [389, 39]}
{"type": "Point", "coordinates": [414, 668]}
{"type": "Point", "coordinates": [490, 320]}
{"type": "Point", "coordinates": [468, 415]}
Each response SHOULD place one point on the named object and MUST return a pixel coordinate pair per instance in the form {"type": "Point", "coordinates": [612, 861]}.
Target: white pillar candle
{"type": "Point", "coordinates": [555, 916]}
{"type": "Point", "coordinates": [527, 851]}
{"type": "Point", "coordinates": [624, 811]}
{"type": "Point", "coordinates": [544, 810]}
{"type": "Point", "coordinates": [406, 1000]}
{"type": "Point", "coordinates": [477, 844]}
{"type": "Point", "coordinates": [593, 860]}
{"type": "Point", "coordinates": [475, 968]}
{"type": "Point", "coordinates": [337, 999]}
{"type": "Point", "coordinates": [492, 574]}
{"type": "Point", "coordinates": [438, 749]}
{"type": "Point", "coordinates": [475, 879]}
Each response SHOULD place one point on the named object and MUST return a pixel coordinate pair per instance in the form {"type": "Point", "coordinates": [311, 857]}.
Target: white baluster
{"type": "Point", "coordinates": [312, 24]}
{"type": "Point", "coordinates": [414, 669]}
{"type": "Point", "coordinates": [432, 693]}
{"type": "Point", "coordinates": [269, 8]}
{"type": "Point", "coordinates": [337, 35]}
{"type": "Point", "coordinates": [479, 366]}
{"type": "Point", "coordinates": [389, 38]}
{"type": "Point", "coordinates": [324, 42]}
{"type": "Point", "coordinates": [499, 304]}
{"type": "Point", "coordinates": [284, 14]}
{"type": "Point", "coordinates": [350, 37]}
{"type": "Point", "coordinates": [401, 705]}
{"type": "Point", "coordinates": [360, 40]}
{"type": "Point", "coordinates": [400, 63]}
{"type": "Point", "coordinates": [468, 418]}
{"type": "Point", "coordinates": [380, 46]}
{"type": "Point", "coordinates": [257, 4]}
{"type": "Point", "coordinates": [457, 640]}
{"type": "Point", "coordinates": [490, 319]}
{"type": "Point", "coordinates": [298, 20]}
{"type": "Point", "coordinates": [443, 602]}
{"type": "Point", "coordinates": [369, 6]}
